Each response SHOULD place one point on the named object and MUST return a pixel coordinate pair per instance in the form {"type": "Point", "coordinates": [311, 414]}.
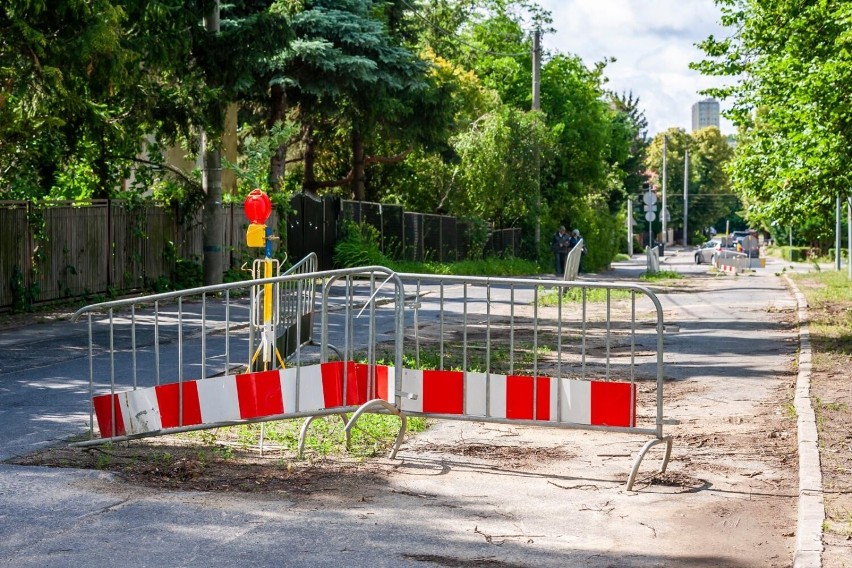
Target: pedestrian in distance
{"type": "Point", "coordinates": [560, 248]}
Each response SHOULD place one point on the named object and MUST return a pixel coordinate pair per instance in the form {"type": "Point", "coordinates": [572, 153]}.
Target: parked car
{"type": "Point", "coordinates": [707, 252]}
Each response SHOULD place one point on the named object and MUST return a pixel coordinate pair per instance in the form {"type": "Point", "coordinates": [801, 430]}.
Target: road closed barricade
{"type": "Point", "coordinates": [522, 351]}
{"type": "Point", "coordinates": [200, 358]}
{"type": "Point", "coordinates": [539, 352]}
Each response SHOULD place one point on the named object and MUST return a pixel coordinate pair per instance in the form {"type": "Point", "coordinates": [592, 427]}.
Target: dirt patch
{"type": "Point", "coordinates": [40, 316]}
{"type": "Point", "coordinates": [454, 562]}
{"type": "Point", "coordinates": [526, 457]}
{"type": "Point", "coordinates": [175, 463]}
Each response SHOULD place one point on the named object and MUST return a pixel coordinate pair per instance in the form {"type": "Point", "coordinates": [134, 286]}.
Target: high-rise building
{"type": "Point", "coordinates": [705, 113]}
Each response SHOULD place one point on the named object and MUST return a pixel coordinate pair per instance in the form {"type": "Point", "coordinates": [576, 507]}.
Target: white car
{"type": "Point", "coordinates": [707, 252]}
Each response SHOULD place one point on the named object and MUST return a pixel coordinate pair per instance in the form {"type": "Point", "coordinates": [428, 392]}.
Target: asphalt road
{"type": "Point", "coordinates": [438, 508]}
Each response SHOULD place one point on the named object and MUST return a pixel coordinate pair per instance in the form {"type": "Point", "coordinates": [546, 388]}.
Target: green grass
{"type": "Point", "coordinates": [832, 286]}
{"type": "Point", "coordinates": [507, 267]}
{"type": "Point", "coordinates": [660, 275]}
{"type": "Point", "coordinates": [575, 295]}
{"type": "Point", "coordinates": [372, 435]}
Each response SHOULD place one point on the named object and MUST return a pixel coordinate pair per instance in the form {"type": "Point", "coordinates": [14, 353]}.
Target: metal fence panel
{"type": "Point", "coordinates": [449, 239]}
{"type": "Point", "coordinates": [498, 352]}
{"type": "Point", "coordinates": [312, 228]}
{"type": "Point", "coordinates": [432, 238]}
{"type": "Point", "coordinates": [393, 230]}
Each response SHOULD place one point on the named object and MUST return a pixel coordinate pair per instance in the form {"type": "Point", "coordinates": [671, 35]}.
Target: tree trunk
{"type": "Point", "coordinates": [213, 217]}
{"type": "Point", "coordinates": [309, 182]}
{"type": "Point", "coordinates": [359, 189]}
{"type": "Point", "coordinates": [277, 105]}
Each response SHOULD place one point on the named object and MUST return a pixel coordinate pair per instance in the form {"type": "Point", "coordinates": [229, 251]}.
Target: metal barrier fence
{"type": "Point", "coordinates": [158, 341]}
{"type": "Point", "coordinates": [522, 351]}
{"type": "Point", "coordinates": [554, 353]}
{"type": "Point", "coordinates": [572, 262]}
{"type": "Point", "coordinates": [653, 259]}
{"type": "Point", "coordinates": [731, 261]}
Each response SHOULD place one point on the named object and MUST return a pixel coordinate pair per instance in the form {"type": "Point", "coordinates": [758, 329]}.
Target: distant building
{"type": "Point", "coordinates": [705, 113]}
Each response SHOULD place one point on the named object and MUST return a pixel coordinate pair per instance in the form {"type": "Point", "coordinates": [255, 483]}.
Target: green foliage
{"type": "Point", "coordinates": [832, 286]}
{"type": "Point", "coordinates": [794, 254]}
{"type": "Point", "coordinates": [186, 274]}
{"type": "Point", "coordinates": [366, 94]}
{"type": "Point", "coordinates": [792, 65]}
{"type": "Point", "coordinates": [23, 295]}
{"type": "Point", "coordinates": [491, 266]}
{"type": "Point", "coordinates": [500, 157]}
{"type": "Point", "coordinates": [660, 275]}
{"type": "Point", "coordinates": [252, 166]}
{"type": "Point", "coordinates": [578, 294]}
{"type": "Point", "coordinates": [372, 435]}
{"type": "Point", "coordinates": [359, 247]}
{"type": "Point", "coordinates": [711, 198]}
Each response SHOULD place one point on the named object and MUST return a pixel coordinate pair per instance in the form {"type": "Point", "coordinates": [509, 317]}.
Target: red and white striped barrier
{"type": "Point", "coordinates": [239, 397]}
{"type": "Point", "coordinates": [597, 403]}
{"type": "Point", "coordinates": [315, 388]}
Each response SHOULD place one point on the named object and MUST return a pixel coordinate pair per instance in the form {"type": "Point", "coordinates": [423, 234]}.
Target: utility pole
{"type": "Point", "coordinates": [212, 186]}
{"type": "Point", "coordinates": [536, 106]}
{"type": "Point", "coordinates": [837, 235]}
{"type": "Point", "coordinates": [630, 227]}
{"type": "Point", "coordinates": [685, 195]}
{"type": "Point", "coordinates": [663, 212]}
{"type": "Point", "coordinates": [849, 237]}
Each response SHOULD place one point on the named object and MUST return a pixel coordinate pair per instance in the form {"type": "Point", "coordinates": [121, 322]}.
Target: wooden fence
{"type": "Point", "coordinates": [61, 250]}
{"type": "Point", "coordinates": [65, 250]}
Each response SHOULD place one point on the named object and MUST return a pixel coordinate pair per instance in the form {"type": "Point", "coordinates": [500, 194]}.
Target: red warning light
{"type": "Point", "coordinates": [257, 207]}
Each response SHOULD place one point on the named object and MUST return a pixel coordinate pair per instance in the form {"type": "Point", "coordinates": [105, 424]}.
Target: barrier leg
{"type": "Point", "coordinates": [650, 444]}
{"type": "Point", "coordinates": [303, 433]}
{"type": "Point", "coordinates": [380, 403]}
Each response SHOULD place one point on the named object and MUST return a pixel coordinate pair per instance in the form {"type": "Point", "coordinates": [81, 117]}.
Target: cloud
{"type": "Point", "coordinates": [653, 42]}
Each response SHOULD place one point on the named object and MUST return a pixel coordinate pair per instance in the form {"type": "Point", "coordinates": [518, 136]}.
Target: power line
{"type": "Point", "coordinates": [458, 39]}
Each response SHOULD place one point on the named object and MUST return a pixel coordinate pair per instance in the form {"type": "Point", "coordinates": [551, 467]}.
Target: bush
{"type": "Point", "coordinates": [794, 254]}
{"type": "Point", "coordinates": [359, 247]}
{"type": "Point", "coordinates": [843, 253]}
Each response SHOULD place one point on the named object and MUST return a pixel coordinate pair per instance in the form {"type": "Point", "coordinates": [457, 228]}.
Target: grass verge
{"type": "Point", "coordinates": [829, 297]}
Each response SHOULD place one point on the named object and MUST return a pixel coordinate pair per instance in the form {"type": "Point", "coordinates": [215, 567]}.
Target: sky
{"type": "Point", "coordinates": [653, 42]}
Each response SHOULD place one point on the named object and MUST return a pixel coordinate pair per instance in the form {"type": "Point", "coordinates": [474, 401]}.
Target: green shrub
{"type": "Point", "coordinates": [359, 247]}
{"type": "Point", "coordinates": [660, 275]}
{"type": "Point", "coordinates": [794, 254]}
{"type": "Point", "coordinates": [187, 274]}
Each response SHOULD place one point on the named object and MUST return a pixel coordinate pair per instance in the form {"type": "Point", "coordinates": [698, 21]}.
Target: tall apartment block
{"type": "Point", "coordinates": [705, 113]}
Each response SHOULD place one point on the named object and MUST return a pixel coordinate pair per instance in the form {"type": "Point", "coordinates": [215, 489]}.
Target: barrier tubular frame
{"type": "Point", "coordinates": [351, 278]}
{"type": "Point", "coordinates": [203, 292]}
{"type": "Point", "coordinates": [512, 283]}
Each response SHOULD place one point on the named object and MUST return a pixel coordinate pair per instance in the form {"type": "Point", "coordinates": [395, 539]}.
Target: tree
{"type": "Point", "coordinates": [794, 68]}
{"type": "Point", "coordinates": [82, 83]}
{"type": "Point", "coordinates": [499, 167]}
{"type": "Point", "coordinates": [348, 76]}
{"type": "Point", "coordinates": [709, 193]}
{"type": "Point", "coordinates": [630, 133]}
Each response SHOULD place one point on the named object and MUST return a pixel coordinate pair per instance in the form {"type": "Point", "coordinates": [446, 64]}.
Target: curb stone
{"type": "Point", "coordinates": [811, 506]}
